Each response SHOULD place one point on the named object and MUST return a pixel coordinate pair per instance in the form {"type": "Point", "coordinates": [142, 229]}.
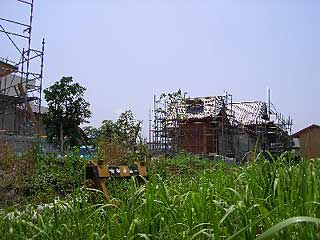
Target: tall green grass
{"type": "Point", "coordinates": [276, 199]}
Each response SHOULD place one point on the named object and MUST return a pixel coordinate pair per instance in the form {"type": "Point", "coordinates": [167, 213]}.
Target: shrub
{"type": "Point", "coordinates": [15, 174]}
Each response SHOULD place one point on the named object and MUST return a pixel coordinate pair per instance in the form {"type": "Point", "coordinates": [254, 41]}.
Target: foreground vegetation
{"type": "Point", "coordinates": [184, 198]}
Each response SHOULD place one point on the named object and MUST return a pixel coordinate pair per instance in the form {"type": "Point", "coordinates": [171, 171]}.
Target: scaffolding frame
{"type": "Point", "coordinates": [21, 90]}
{"type": "Point", "coordinates": [261, 119]}
{"type": "Point", "coordinates": [172, 128]}
{"type": "Point", "coordinates": [227, 122]}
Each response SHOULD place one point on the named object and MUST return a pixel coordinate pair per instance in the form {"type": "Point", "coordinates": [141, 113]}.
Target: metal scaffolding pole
{"type": "Point", "coordinates": [30, 79]}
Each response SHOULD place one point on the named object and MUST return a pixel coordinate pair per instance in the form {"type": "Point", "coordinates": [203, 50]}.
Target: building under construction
{"type": "Point", "coordinates": [21, 76]}
{"type": "Point", "coordinates": [216, 125]}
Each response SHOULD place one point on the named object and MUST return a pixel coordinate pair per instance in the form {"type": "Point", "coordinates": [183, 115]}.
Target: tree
{"type": "Point", "coordinates": [91, 134]}
{"type": "Point", "coordinates": [168, 103]}
{"type": "Point", "coordinates": [67, 110]}
{"type": "Point", "coordinates": [125, 130]}
{"type": "Point", "coordinates": [120, 140]}
{"type": "Point", "coordinates": [129, 129]}
{"type": "Point", "coordinates": [108, 130]}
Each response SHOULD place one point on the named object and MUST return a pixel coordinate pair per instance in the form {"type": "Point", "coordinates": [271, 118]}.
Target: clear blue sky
{"type": "Point", "coordinates": [123, 52]}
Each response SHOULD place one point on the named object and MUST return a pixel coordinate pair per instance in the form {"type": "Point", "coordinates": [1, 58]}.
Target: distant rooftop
{"type": "Point", "coordinates": [313, 126]}
{"type": "Point", "coordinates": [201, 107]}
{"type": "Point", "coordinates": [244, 113]}
{"type": "Point", "coordinates": [249, 113]}
{"type": "Point", "coordinates": [210, 107]}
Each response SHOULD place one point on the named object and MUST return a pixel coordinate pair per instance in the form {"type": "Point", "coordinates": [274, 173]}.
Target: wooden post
{"type": "Point", "coordinates": [103, 188]}
{"type": "Point", "coordinates": [35, 122]}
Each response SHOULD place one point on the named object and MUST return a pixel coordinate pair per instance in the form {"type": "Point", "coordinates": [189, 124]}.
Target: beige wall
{"type": "Point", "coordinates": [310, 143]}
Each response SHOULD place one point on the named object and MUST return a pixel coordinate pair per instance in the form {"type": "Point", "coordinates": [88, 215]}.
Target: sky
{"type": "Point", "coordinates": [124, 52]}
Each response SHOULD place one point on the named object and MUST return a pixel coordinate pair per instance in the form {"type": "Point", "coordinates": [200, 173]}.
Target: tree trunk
{"type": "Point", "coordinates": [61, 138]}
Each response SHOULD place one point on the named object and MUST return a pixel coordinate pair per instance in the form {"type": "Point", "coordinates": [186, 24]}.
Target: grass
{"type": "Point", "coordinates": [278, 199]}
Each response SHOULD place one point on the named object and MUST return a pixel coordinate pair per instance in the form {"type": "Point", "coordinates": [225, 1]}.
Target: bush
{"type": "Point", "coordinates": [120, 154]}
{"type": "Point", "coordinates": [57, 176]}
{"type": "Point", "coordinates": [15, 174]}
{"type": "Point", "coordinates": [34, 177]}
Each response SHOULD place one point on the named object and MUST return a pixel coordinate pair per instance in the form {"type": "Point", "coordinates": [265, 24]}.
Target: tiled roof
{"type": "Point", "coordinates": [248, 113]}
{"type": "Point", "coordinates": [197, 108]}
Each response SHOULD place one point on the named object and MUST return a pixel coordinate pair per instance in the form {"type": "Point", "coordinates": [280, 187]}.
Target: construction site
{"type": "Point", "coordinates": [21, 79]}
{"type": "Point", "coordinates": [211, 126]}
{"type": "Point", "coordinates": [217, 126]}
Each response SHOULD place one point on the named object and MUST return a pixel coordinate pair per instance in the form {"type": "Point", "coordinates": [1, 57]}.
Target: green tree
{"type": "Point", "coordinates": [91, 134]}
{"type": "Point", "coordinates": [125, 130]}
{"type": "Point", "coordinates": [67, 110]}
{"type": "Point", "coordinates": [128, 129]}
{"type": "Point", "coordinates": [108, 130]}
{"type": "Point", "coordinates": [121, 140]}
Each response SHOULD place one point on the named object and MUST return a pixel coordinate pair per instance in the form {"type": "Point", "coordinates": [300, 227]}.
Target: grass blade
{"type": "Point", "coordinates": [276, 228]}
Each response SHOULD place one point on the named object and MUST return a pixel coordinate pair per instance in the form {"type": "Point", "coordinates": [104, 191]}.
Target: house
{"type": "Point", "coordinates": [200, 127]}
{"type": "Point", "coordinates": [309, 139]}
{"type": "Point", "coordinates": [19, 111]}
{"type": "Point", "coordinates": [216, 126]}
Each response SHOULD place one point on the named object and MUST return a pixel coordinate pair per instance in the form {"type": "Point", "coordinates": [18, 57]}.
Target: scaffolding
{"type": "Point", "coordinates": [216, 126]}
{"type": "Point", "coordinates": [20, 91]}
{"type": "Point", "coordinates": [198, 125]}
{"type": "Point", "coordinates": [260, 125]}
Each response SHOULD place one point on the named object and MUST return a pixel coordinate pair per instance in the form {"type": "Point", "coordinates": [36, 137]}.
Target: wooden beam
{"type": "Point", "coordinates": [35, 122]}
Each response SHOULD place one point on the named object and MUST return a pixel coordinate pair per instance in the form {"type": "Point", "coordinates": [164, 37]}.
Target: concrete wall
{"type": "Point", "coordinates": [10, 119]}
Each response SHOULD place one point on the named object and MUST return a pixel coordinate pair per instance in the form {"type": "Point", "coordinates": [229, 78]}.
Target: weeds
{"type": "Point", "coordinates": [33, 177]}
{"type": "Point", "coordinates": [277, 199]}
